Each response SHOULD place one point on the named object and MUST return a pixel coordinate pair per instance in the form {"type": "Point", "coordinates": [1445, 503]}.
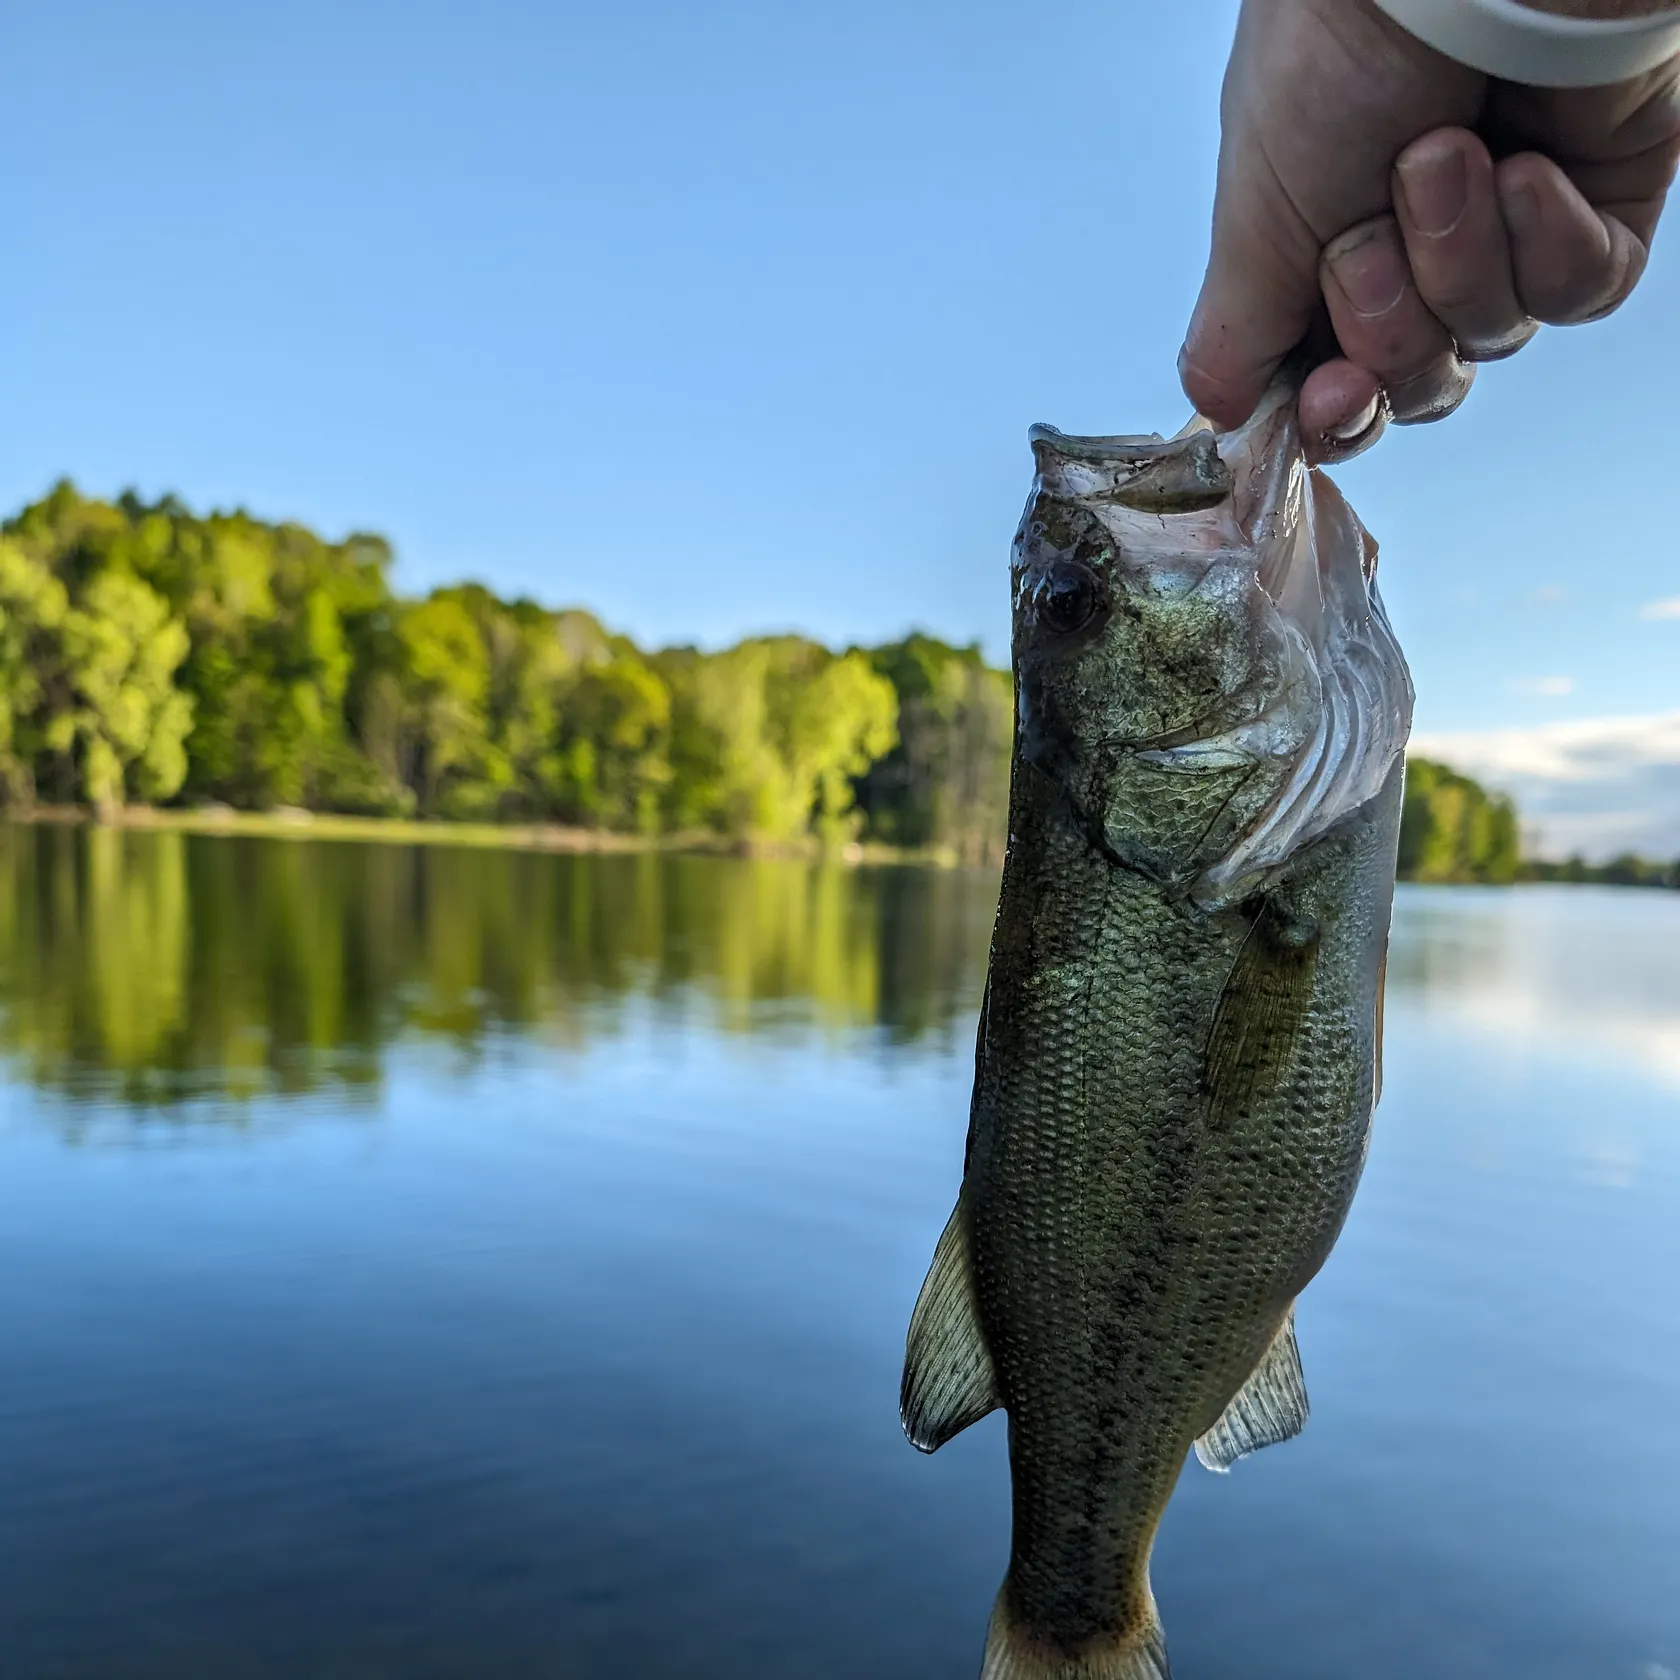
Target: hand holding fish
{"type": "Point", "coordinates": [1409, 216]}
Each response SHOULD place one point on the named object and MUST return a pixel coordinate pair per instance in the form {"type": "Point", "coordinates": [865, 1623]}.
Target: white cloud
{"type": "Point", "coordinates": [1551, 688]}
{"type": "Point", "coordinates": [1667, 608]}
{"type": "Point", "coordinates": [1549, 594]}
{"type": "Point", "coordinates": [1598, 786]}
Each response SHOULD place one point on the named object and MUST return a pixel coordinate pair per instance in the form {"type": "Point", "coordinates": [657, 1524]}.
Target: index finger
{"type": "Point", "coordinates": [1258, 297]}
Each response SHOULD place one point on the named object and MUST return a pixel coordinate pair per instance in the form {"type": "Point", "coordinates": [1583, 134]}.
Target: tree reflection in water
{"type": "Point", "coordinates": [160, 967]}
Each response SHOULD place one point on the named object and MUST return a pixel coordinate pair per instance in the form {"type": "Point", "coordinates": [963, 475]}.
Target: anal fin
{"type": "Point", "coordinates": [948, 1378]}
{"type": "Point", "coordinates": [1270, 1407]}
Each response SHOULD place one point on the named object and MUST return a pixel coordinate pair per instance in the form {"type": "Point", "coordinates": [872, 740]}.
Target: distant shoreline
{"type": "Point", "coordinates": [298, 824]}
{"type": "Point", "coordinates": [558, 838]}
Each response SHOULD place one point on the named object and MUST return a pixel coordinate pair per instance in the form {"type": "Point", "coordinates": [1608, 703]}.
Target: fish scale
{"type": "Point", "coordinates": [1175, 1067]}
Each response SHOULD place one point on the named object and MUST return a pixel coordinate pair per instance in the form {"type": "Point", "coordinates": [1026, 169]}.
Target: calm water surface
{"type": "Point", "coordinates": [436, 1263]}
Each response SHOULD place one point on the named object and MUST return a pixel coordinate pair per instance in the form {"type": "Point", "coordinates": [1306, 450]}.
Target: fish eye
{"type": "Point", "coordinates": [1064, 598]}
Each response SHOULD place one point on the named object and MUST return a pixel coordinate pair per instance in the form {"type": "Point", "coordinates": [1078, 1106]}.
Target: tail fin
{"type": "Point", "coordinates": [1013, 1654]}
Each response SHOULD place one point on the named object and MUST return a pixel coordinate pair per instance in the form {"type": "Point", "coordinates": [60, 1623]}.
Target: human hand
{"type": "Point", "coordinates": [1360, 209]}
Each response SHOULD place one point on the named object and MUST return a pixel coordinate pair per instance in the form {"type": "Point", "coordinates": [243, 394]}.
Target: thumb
{"type": "Point", "coordinates": [1259, 296]}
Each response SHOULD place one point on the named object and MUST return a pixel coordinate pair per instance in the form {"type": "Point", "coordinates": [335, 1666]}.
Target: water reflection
{"type": "Point", "coordinates": [160, 967]}
{"type": "Point", "coordinates": [164, 967]}
{"type": "Point", "coordinates": [1586, 972]}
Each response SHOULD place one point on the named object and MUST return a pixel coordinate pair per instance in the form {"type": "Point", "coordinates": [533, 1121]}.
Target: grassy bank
{"type": "Point", "coordinates": [289, 823]}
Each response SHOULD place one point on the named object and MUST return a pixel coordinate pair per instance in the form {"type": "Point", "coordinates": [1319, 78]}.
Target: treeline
{"type": "Point", "coordinates": [1628, 870]}
{"type": "Point", "coordinates": [150, 654]}
{"type": "Point", "coordinates": [1453, 830]}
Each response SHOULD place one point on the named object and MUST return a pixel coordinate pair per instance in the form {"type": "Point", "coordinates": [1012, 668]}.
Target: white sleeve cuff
{"type": "Point", "coordinates": [1519, 44]}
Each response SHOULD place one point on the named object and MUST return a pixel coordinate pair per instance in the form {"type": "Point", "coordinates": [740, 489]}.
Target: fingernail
{"type": "Point", "coordinates": [1351, 430]}
{"type": "Point", "coordinates": [1520, 206]}
{"type": "Point", "coordinates": [1436, 189]}
{"type": "Point", "coordinates": [1371, 269]}
{"type": "Point", "coordinates": [1433, 395]}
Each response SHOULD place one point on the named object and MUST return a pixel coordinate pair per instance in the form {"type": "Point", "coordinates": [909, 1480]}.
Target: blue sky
{"type": "Point", "coordinates": [733, 317]}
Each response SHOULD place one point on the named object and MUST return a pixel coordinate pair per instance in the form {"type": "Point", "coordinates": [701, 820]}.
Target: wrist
{"type": "Point", "coordinates": [1546, 43]}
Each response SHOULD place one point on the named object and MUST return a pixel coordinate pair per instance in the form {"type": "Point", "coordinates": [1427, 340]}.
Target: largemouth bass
{"type": "Point", "coordinates": [1179, 1047]}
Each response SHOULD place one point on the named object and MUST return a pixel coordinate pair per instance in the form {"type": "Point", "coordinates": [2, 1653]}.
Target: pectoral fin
{"type": "Point", "coordinates": [948, 1378]}
{"type": "Point", "coordinates": [1270, 1407]}
{"type": "Point", "coordinates": [1260, 1012]}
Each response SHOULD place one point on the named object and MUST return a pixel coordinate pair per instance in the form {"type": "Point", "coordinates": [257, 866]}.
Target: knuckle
{"type": "Point", "coordinates": [1408, 353]}
{"type": "Point", "coordinates": [1459, 292]}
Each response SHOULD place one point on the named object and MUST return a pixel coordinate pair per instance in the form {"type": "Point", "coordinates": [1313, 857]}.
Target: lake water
{"type": "Point", "coordinates": [445, 1263]}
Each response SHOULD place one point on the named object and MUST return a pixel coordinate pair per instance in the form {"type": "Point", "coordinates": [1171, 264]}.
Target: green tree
{"type": "Point", "coordinates": [946, 783]}
{"type": "Point", "coordinates": [33, 603]}
{"type": "Point", "coordinates": [613, 740]}
{"type": "Point", "coordinates": [769, 736]}
{"type": "Point", "coordinates": [1453, 830]}
{"type": "Point", "coordinates": [275, 616]}
{"type": "Point", "coordinates": [535, 659]}
{"type": "Point", "coordinates": [831, 719]}
{"type": "Point", "coordinates": [437, 734]}
{"type": "Point", "coordinates": [127, 723]}
{"type": "Point", "coordinates": [272, 616]}
{"type": "Point", "coordinates": [109, 722]}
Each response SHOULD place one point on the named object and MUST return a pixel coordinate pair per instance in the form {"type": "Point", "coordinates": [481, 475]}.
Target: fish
{"type": "Point", "coordinates": [1178, 1053]}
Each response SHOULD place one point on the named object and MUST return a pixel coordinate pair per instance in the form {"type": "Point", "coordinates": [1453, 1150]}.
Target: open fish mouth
{"type": "Point", "coordinates": [1240, 510]}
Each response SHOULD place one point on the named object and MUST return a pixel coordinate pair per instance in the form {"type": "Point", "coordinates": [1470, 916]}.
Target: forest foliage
{"type": "Point", "coordinates": [150, 654]}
